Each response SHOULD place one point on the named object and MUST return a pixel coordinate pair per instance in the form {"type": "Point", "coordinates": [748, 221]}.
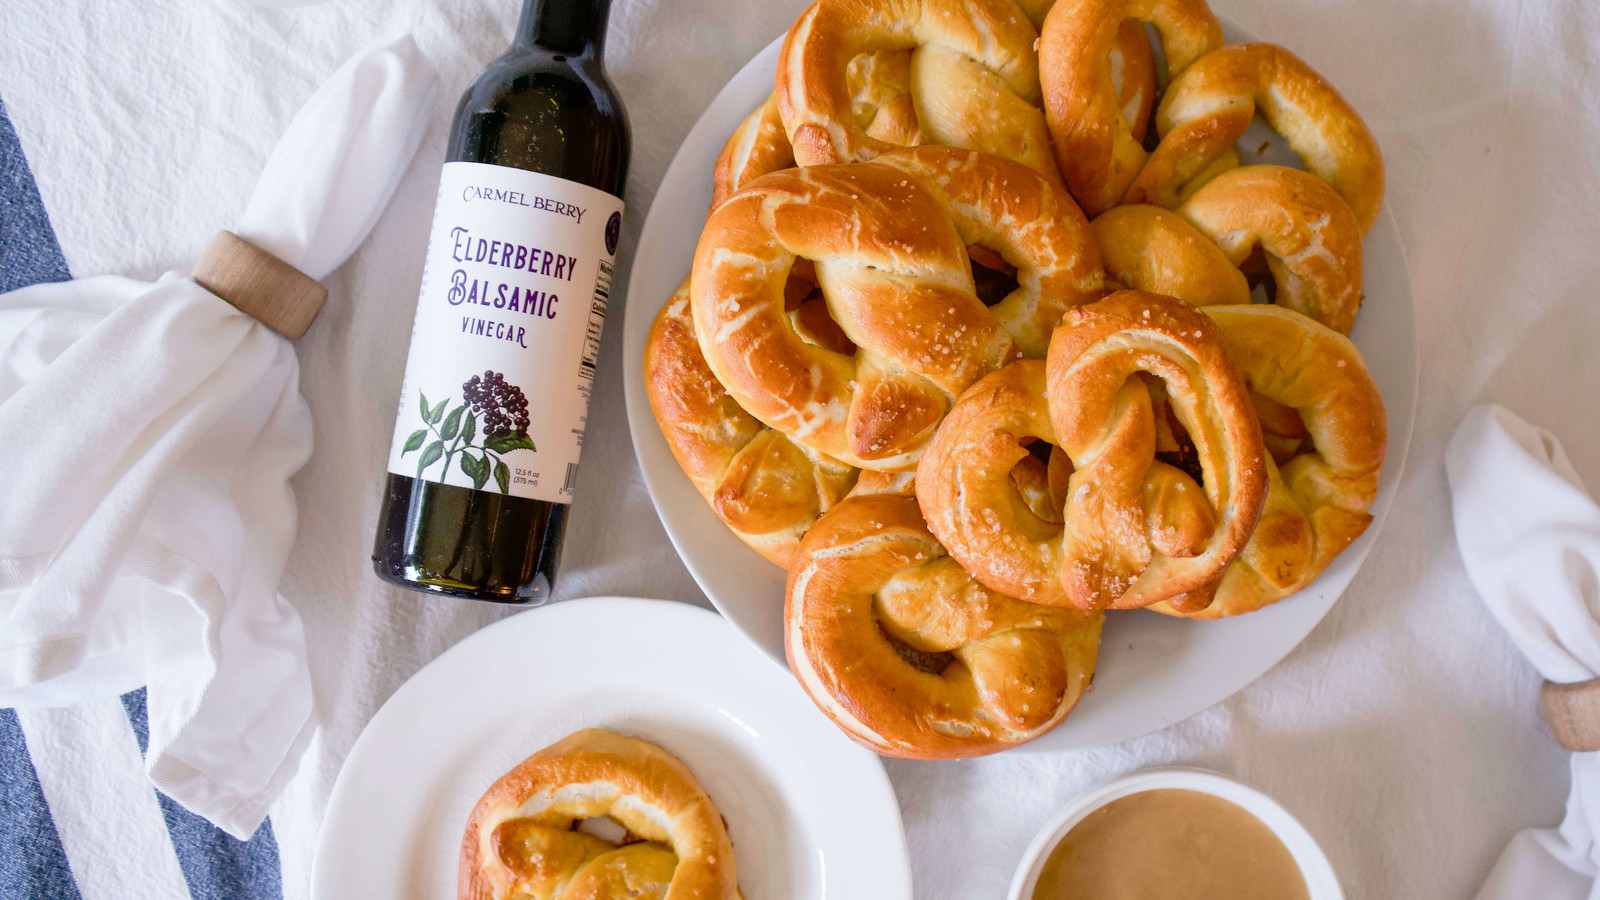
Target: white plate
{"type": "Point", "coordinates": [1321, 883]}
{"type": "Point", "coordinates": [1153, 670]}
{"type": "Point", "coordinates": [811, 815]}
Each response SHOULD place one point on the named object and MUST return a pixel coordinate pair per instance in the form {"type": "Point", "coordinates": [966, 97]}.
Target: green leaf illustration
{"type": "Point", "coordinates": [430, 456]}
{"type": "Point", "coordinates": [438, 412]}
{"type": "Point", "coordinates": [469, 429]}
{"type": "Point", "coordinates": [505, 442]}
{"type": "Point", "coordinates": [415, 441]}
{"type": "Point", "coordinates": [502, 476]}
{"type": "Point", "coordinates": [475, 468]}
{"type": "Point", "coordinates": [452, 423]}
{"type": "Point", "coordinates": [424, 398]}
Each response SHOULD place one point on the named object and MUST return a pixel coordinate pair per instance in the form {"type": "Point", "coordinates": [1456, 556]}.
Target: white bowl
{"type": "Point", "coordinates": [1321, 883]}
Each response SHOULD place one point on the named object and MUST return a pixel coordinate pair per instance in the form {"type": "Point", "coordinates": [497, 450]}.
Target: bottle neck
{"type": "Point", "coordinates": [568, 27]}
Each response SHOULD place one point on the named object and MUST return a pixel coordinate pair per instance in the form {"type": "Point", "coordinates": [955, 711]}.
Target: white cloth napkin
{"type": "Point", "coordinates": [147, 436]}
{"type": "Point", "coordinates": [1529, 534]}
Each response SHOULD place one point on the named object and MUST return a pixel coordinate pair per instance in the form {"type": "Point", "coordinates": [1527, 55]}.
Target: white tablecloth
{"type": "Point", "coordinates": [1403, 732]}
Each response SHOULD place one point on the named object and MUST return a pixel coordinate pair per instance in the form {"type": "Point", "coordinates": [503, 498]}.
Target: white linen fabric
{"type": "Point", "coordinates": [1529, 534]}
{"type": "Point", "coordinates": [1403, 732]}
{"type": "Point", "coordinates": [151, 430]}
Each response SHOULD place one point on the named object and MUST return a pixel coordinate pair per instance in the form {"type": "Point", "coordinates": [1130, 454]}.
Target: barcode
{"type": "Point", "coordinates": [597, 322]}
{"type": "Point", "coordinates": [572, 478]}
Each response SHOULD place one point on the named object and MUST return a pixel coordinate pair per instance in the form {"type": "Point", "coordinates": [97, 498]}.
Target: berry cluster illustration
{"type": "Point", "coordinates": [502, 404]}
{"type": "Point", "coordinates": [492, 408]}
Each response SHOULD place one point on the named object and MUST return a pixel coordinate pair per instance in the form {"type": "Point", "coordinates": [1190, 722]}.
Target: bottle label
{"type": "Point", "coordinates": [507, 334]}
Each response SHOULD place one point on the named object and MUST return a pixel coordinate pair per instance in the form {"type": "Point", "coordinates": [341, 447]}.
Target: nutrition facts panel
{"type": "Point", "coordinates": [597, 322]}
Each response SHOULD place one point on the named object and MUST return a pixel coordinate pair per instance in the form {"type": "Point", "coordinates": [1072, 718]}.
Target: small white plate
{"type": "Point", "coordinates": [811, 815]}
{"type": "Point", "coordinates": [1153, 670]}
{"type": "Point", "coordinates": [1321, 883]}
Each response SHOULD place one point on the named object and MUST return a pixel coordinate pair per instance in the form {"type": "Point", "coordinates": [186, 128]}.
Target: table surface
{"type": "Point", "coordinates": [1403, 732]}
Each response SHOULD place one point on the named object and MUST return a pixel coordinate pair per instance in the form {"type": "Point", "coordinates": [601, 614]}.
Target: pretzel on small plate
{"type": "Point", "coordinates": [1208, 107]}
{"type": "Point", "coordinates": [1134, 529]}
{"type": "Point", "coordinates": [1097, 144]}
{"type": "Point", "coordinates": [1322, 408]}
{"type": "Point", "coordinates": [520, 841]}
{"type": "Point", "coordinates": [909, 654]}
{"type": "Point", "coordinates": [1310, 239]}
{"type": "Point", "coordinates": [888, 244]}
{"type": "Point", "coordinates": [765, 487]}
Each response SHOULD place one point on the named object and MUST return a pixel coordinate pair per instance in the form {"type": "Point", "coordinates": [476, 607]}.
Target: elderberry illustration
{"type": "Point", "coordinates": [492, 409]}
{"type": "Point", "coordinates": [502, 404]}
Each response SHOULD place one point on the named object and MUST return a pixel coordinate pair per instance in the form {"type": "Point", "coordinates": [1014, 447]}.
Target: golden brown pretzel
{"type": "Point", "coordinates": [889, 243]}
{"type": "Point", "coordinates": [1211, 103]}
{"type": "Point", "coordinates": [520, 841]}
{"type": "Point", "coordinates": [1311, 239]}
{"type": "Point", "coordinates": [973, 78]}
{"type": "Point", "coordinates": [912, 657]}
{"type": "Point", "coordinates": [1137, 530]}
{"type": "Point", "coordinates": [756, 147]}
{"type": "Point", "coordinates": [765, 487]}
{"type": "Point", "coordinates": [1009, 217]}
{"type": "Point", "coordinates": [880, 88]}
{"type": "Point", "coordinates": [1307, 235]}
{"type": "Point", "coordinates": [1148, 248]}
{"type": "Point", "coordinates": [1324, 482]}
{"type": "Point", "coordinates": [1096, 145]}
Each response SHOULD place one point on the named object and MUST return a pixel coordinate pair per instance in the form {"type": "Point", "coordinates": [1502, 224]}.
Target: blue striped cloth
{"type": "Point", "coordinates": [34, 859]}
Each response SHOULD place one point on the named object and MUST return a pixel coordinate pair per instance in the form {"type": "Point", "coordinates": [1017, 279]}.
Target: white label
{"type": "Point", "coordinates": [507, 334]}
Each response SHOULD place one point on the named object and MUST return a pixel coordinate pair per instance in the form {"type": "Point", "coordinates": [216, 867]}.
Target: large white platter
{"type": "Point", "coordinates": [1153, 670]}
{"type": "Point", "coordinates": [811, 815]}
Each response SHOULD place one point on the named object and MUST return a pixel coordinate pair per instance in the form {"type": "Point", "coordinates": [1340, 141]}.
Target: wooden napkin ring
{"type": "Point", "coordinates": [275, 293]}
{"type": "Point", "coordinates": [1573, 711]}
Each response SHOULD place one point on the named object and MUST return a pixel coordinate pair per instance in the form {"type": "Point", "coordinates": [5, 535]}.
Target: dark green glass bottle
{"type": "Point", "coordinates": [477, 497]}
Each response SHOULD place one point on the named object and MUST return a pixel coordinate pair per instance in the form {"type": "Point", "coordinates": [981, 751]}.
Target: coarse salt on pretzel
{"type": "Point", "coordinates": [765, 487]}
{"type": "Point", "coordinates": [520, 841]}
{"type": "Point", "coordinates": [1310, 237]}
{"type": "Point", "coordinates": [1135, 530]}
{"type": "Point", "coordinates": [1208, 107]}
{"type": "Point", "coordinates": [887, 240]}
{"type": "Point", "coordinates": [974, 78]}
{"type": "Point", "coordinates": [1096, 144]}
{"type": "Point", "coordinates": [912, 657]}
{"type": "Point", "coordinates": [1327, 478]}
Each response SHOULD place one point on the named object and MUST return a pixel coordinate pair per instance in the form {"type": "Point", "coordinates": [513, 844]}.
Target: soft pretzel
{"type": "Point", "coordinates": [1311, 239]}
{"type": "Point", "coordinates": [1011, 221]}
{"type": "Point", "coordinates": [520, 842]}
{"type": "Point", "coordinates": [765, 487]}
{"type": "Point", "coordinates": [880, 91]}
{"type": "Point", "coordinates": [910, 655]}
{"type": "Point", "coordinates": [1148, 248]}
{"type": "Point", "coordinates": [1134, 530]}
{"type": "Point", "coordinates": [973, 78]}
{"type": "Point", "coordinates": [1326, 478]}
{"type": "Point", "coordinates": [756, 147]}
{"type": "Point", "coordinates": [1096, 144]}
{"type": "Point", "coordinates": [1211, 103]}
{"type": "Point", "coordinates": [1307, 235]}
{"type": "Point", "coordinates": [889, 243]}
